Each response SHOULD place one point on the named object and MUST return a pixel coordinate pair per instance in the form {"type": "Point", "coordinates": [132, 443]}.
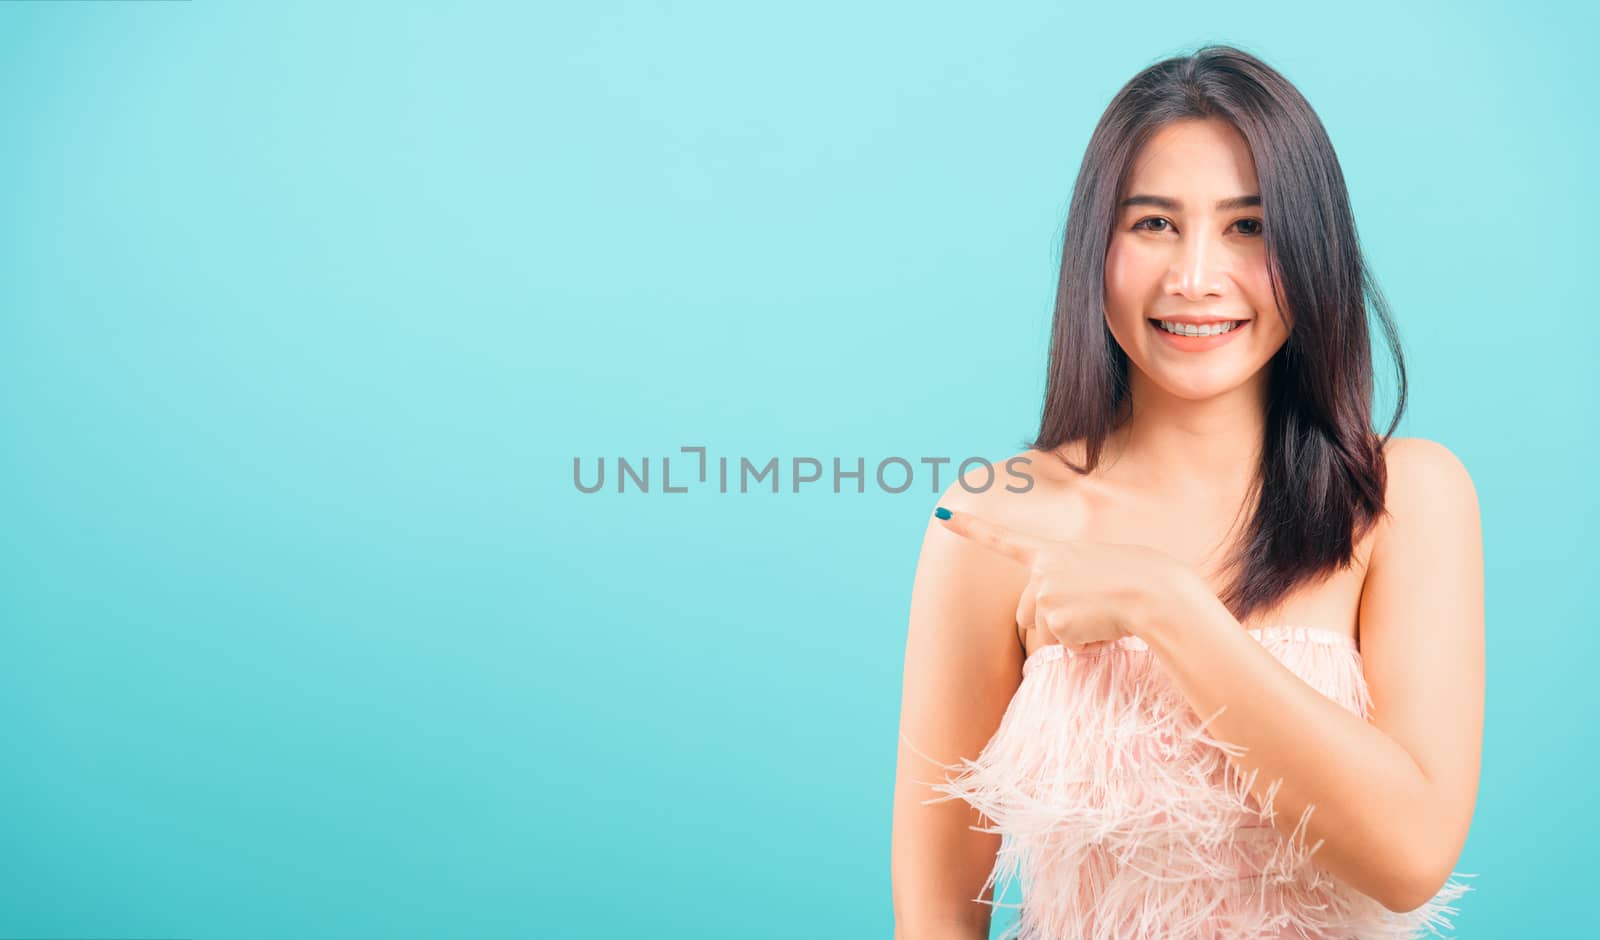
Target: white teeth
{"type": "Point", "coordinates": [1210, 329]}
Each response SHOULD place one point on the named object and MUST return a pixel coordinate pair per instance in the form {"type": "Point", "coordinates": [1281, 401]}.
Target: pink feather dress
{"type": "Point", "coordinates": [1122, 819]}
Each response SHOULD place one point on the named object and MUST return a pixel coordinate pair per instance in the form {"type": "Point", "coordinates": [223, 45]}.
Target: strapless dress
{"type": "Point", "coordinates": [1121, 818]}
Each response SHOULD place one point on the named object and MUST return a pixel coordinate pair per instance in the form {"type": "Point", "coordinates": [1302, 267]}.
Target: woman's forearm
{"type": "Point", "coordinates": [1371, 804]}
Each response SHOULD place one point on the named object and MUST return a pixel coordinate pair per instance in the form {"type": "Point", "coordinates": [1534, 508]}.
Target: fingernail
{"type": "Point", "coordinates": [942, 513]}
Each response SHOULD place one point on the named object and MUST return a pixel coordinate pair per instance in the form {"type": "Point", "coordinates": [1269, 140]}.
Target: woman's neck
{"type": "Point", "coordinates": [1204, 449]}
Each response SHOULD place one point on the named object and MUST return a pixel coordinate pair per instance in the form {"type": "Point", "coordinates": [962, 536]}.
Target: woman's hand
{"type": "Point", "coordinates": [1082, 592]}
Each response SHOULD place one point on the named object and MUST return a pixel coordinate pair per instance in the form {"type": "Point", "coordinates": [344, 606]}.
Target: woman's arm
{"type": "Point", "coordinates": [963, 663]}
{"type": "Point", "coordinates": [1393, 799]}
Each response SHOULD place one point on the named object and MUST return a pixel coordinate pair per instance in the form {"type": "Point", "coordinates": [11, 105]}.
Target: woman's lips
{"type": "Point", "coordinates": [1198, 343]}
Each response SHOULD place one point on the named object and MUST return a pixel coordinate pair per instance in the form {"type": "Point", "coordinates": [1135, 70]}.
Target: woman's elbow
{"type": "Point", "coordinates": [937, 928]}
{"type": "Point", "coordinates": [1415, 888]}
{"type": "Point", "coordinates": [930, 914]}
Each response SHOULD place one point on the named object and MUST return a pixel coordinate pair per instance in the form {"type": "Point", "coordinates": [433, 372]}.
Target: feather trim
{"type": "Point", "coordinates": [1122, 818]}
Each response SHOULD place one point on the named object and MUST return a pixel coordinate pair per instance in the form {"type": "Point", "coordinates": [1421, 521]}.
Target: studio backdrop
{"type": "Point", "coordinates": [464, 464]}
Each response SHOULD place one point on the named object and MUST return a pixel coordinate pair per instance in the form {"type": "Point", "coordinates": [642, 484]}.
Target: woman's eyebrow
{"type": "Point", "coordinates": [1173, 205]}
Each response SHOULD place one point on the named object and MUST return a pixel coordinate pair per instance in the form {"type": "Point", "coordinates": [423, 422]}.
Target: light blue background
{"type": "Point", "coordinates": [306, 309]}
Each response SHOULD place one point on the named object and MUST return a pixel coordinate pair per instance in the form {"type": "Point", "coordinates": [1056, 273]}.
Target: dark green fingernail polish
{"type": "Point", "coordinates": [942, 513]}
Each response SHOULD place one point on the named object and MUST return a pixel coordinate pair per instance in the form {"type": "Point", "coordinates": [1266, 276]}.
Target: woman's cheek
{"type": "Point", "coordinates": [1122, 291]}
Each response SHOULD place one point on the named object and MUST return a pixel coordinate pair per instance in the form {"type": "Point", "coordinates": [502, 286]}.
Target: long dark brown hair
{"type": "Point", "coordinates": [1320, 483]}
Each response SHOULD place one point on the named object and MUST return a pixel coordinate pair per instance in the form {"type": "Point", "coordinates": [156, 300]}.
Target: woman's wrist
{"type": "Point", "coordinates": [1173, 596]}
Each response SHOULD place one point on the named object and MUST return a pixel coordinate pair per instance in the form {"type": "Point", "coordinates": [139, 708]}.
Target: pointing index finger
{"type": "Point", "coordinates": [991, 535]}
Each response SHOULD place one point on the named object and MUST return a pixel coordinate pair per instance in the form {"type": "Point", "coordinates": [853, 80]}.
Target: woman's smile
{"type": "Point", "coordinates": [1198, 343]}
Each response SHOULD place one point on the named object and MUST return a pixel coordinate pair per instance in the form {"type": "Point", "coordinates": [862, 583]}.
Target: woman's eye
{"type": "Point", "coordinates": [1252, 226]}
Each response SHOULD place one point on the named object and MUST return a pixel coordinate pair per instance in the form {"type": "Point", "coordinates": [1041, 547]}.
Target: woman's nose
{"type": "Point", "coordinates": [1199, 268]}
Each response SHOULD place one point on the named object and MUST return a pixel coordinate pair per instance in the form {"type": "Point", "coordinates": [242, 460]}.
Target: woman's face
{"type": "Point", "coordinates": [1180, 252]}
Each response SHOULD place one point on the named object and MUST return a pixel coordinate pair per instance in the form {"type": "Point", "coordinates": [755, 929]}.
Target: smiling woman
{"type": "Point", "coordinates": [1163, 272]}
{"type": "Point", "coordinates": [1219, 673]}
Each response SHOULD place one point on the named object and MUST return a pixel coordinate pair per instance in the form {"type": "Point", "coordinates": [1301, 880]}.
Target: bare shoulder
{"type": "Point", "coordinates": [964, 587]}
{"type": "Point", "coordinates": [1424, 455]}
{"type": "Point", "coordinates": [1027, 491]}
{"type": "Point", "coordinates": [1429, 495]}
{"type": "Point", "coordinates": [1427, 475]}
